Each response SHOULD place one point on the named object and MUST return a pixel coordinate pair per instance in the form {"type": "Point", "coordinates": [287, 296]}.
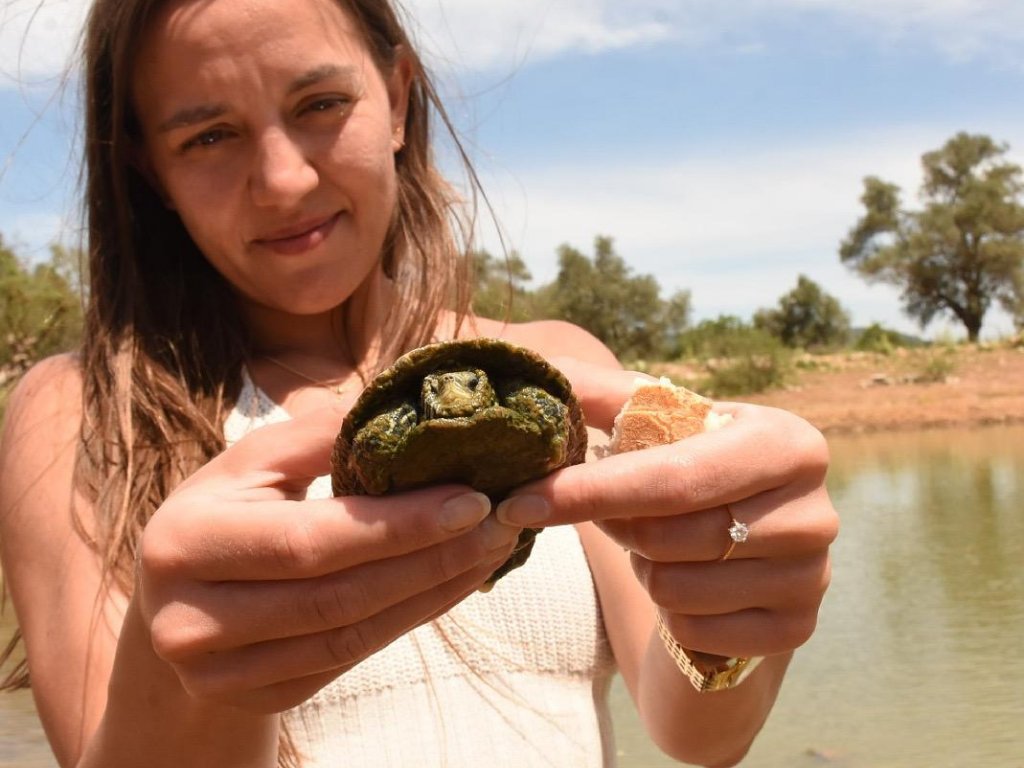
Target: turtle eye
{"type": "Point", "coordinates": [433, 386]}
{"type": "Point", "coordinates": [474, 382]}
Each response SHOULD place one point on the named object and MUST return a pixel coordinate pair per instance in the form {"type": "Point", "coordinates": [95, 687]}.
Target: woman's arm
{"type": "Point", "coordinates": [654, 525]}
{"type": "Point", "coordinates": [72, 624]}
{"type": "Point", "coordinates": [248, 597]}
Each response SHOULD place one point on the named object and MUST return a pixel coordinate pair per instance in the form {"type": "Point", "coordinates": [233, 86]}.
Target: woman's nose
{"type": "Point", "coordinates": [282, 173]}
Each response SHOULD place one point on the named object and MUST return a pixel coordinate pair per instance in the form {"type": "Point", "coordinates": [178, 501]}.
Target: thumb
{"type": "Point", "coordinates": [287, 454]}
{"type": "Point", "coordinates": [600, 389]}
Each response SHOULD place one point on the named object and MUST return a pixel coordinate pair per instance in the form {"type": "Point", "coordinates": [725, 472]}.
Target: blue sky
{"type": "Point", "coordinates": [722, 143]}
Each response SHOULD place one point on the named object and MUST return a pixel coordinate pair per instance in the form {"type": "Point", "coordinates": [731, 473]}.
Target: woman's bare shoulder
{"type": "Point", "coordinates": [50, 393]}
{"type": "Point", "coordinates": [551, 338]}
{"type": "Point", "coordinates": [40, 434]}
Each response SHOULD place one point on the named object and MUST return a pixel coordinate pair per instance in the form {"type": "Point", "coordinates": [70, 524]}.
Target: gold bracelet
{"type": "Point", "coordinates": [705, 671]}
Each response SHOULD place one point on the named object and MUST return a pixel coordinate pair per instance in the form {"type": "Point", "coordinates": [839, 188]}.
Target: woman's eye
{"type": "Point", "coordinates": [326, 105]}
{"type": "Point", "coordinates": [205, 139]}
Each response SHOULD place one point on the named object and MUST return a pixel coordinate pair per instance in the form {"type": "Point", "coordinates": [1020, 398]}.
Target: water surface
{"type": "Point", "coordinates": [918, 661]}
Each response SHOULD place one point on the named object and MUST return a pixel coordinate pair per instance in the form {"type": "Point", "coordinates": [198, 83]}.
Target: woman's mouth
{"type": "Point", "coordinates": [299, 238]}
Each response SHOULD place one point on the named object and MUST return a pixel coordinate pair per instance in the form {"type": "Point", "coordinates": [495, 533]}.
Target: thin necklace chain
{"type": "Point", "coordinates": [338, 386]}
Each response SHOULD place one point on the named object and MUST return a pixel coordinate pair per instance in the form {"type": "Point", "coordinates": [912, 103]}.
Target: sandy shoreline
{"type": "Point", "coordinates": [862, 392]}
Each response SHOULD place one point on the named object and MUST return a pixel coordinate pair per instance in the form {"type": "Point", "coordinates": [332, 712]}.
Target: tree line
{"type": "Point", "coordinates": [957, 255]}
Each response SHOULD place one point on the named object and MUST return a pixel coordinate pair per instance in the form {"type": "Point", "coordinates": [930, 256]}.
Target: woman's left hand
{"type": "Point", "coordinates": [672, 507]}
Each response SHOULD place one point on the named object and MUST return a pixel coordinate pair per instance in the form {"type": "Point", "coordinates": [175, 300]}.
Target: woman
{"type": "Point", "coordinates": [267, 230]}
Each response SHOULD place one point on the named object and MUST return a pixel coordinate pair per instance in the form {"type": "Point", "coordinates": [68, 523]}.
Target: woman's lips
{"type": "Point", "coordinates": [300, 238]}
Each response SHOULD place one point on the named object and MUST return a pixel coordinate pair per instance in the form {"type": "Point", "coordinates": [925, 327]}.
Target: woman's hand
{"type": "Point", "coordinates": [672, 507]}
{"type": "Point", "coordinates": [258, 598]}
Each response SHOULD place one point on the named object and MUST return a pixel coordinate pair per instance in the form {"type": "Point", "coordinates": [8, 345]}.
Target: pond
{"type": "Point", "coordinates": [918, 656]}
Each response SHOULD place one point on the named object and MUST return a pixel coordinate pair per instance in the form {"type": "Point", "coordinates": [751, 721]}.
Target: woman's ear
{"type": "Point", "coordinates": [399, 84]}
{"type": "Point", "coordinates": [139, 160]}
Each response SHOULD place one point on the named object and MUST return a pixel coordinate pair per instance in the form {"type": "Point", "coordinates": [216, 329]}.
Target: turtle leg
{"type": "Point", "coordinates": [541, 408]}
{"type": "Point", "coordinates": [380, 441]}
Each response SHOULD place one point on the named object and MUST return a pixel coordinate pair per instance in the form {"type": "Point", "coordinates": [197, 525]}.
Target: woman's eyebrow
{"type": "Point", "coordinates": [191, 116]}
{"type": "Point", "coordinates": [323, 72]}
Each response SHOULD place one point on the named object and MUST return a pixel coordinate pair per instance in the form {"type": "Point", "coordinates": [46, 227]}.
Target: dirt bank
{"type": "Point", "coordinates": [908, 389]}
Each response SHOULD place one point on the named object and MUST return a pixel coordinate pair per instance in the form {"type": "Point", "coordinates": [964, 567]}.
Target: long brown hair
{"type": "Point", "coordinates": [161, 358]}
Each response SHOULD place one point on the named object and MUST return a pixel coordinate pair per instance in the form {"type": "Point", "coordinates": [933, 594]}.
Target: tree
{"type": "Point", "coordinates": [500, 291]}
{"type": "Point", "coordinates": [806, 317]}
{"type": "Point", "coordinates": [623, 310]}
{"type": "Point", "coordinates": [963, 250]}
{"type": "Point", "coordinates": [40, 309]}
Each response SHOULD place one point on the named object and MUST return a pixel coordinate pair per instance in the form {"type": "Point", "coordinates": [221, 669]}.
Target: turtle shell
{"type": "Point", "coordinates": [513, 418]}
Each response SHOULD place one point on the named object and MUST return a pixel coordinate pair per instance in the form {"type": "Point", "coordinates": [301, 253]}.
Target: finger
{"type": "Point", "coordinates": [286, 454]}
{"type": "Point", "coordinates": [761, 449]}
{"type": "Point", "coordinates": [289, 694]}
{"type": "Point", "coordinates": [711, 589]}
{"type": "Point", "coordinates": [601, 390]}
{"type": "Point", "coordinates": [777, 527]}
{"type": "Point", "coordinates": [223, 615]}
{"type": "Point", "coordinates": [752, 632]}
{"type": "Point", "coordinates": [695, 537]}
{"type": "Point", "coordinates": [283, 539]}
{"type": "Point", "coordinates": [220, 676]}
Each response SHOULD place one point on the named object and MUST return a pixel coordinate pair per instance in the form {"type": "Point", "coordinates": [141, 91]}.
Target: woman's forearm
{"type": "Point", "coordinates": [151, 720]}
{"type": "Point", "coordinates": [713, 728]}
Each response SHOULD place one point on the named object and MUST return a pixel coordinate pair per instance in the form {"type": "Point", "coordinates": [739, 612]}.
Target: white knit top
{"type": "Point", "coordinates": [515, 678]}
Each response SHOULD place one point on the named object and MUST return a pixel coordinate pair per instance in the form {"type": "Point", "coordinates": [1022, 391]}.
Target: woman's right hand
{"type": "Point", "coordinates": [258, 598]}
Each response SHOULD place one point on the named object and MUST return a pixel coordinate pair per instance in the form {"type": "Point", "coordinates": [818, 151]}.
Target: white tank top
{"type": "Point", "coordinates": [515, 678]}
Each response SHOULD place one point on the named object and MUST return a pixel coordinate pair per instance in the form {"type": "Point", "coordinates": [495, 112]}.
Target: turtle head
{"type": "Point", "coordinates": [449, 394]}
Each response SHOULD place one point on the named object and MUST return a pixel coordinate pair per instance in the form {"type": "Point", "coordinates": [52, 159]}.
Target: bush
{"type": "Point", "coordinates": [878, 339]}
{"type": "Point", "coordinates": [740, 358]}
{"type": "Point", "coordinates": [937, 367]}
{"type": "Point", "coordinates": [748, 375]}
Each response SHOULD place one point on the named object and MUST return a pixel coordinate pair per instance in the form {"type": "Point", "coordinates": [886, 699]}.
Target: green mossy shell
{"type": "Point", "coordinates": [537, 426]}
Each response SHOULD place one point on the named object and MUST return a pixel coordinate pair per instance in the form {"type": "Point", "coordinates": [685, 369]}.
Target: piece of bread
{"type": "Point", "coordinates": [660, 412]}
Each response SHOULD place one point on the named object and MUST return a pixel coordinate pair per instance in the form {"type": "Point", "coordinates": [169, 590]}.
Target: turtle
{"type": "Point", "coordinates": [482, 411]}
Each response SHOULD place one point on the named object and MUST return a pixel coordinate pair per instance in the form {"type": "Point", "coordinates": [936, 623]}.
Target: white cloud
{"type": "Point", "coordinates": [962, 29]}
{"type": "Point", "coordinates": [37, 37]}
{"type": "Point", "coordinates": [470, 34]}
{"type": "Point", "coordinates": [462, 33]}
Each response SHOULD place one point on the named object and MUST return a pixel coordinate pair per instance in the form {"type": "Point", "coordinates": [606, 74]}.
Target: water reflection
{"type": "Point", "coordinates": [22, 742]}
{"type": "Point", "coordinates": [917, 661]}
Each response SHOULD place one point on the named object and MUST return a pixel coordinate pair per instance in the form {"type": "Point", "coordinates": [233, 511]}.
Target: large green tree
{"type": "Point", "coordinates": [963, 250]}
{"type": "Point", "coordinates": [806, 317]}
{"type": "Point", "coordinates": [622, 309]}
{"type": "Point", "coordinates": [40, 309]}
{"type": "Point", "coordinates": [500, 287]}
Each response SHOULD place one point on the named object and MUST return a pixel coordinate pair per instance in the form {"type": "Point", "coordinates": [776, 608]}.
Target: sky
{"type": "Point", "coordinates": [721, 143]}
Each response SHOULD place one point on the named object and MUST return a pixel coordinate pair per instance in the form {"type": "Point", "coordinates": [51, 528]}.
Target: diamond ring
{"type": "Point", "coordinates": [738, 533]}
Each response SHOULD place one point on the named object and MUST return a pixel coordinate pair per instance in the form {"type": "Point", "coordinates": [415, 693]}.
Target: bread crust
{"type": "Point", "coordinates": [660, 412]}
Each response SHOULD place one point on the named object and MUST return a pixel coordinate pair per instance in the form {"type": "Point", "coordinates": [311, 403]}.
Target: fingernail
{"type": "Point", "coordinates": [465, 511]}
{"type": "Point", "coordinates": [497, 535]}
{"type": "Point", "coordinates": [523, 510]}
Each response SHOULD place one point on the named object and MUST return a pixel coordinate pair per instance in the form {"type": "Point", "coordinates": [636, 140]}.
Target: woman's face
{"type": "Point", "coordinates": [267, 126]}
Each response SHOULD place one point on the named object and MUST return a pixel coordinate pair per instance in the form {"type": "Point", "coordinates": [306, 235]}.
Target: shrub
{"type": "Point", "coordinates": [937, 368]}
{"type": "Point", "coordinates": [748, 375]}
{"type": "Point", "coordinates": [740, 358]}
{"type": "Point", "coordinates": [878, 339]}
